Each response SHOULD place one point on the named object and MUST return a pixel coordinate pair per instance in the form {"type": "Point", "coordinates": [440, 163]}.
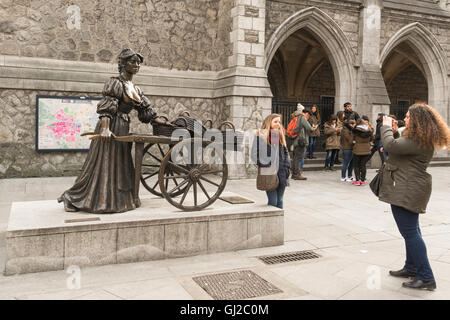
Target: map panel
{"type": "Point", "coordinates": [61, 121]}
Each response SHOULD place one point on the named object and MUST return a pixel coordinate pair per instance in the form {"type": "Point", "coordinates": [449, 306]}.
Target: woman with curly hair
{"type": "Point", "coordinates": [406, 185]}
{"type": "Point", "coordinates": [105, 184]}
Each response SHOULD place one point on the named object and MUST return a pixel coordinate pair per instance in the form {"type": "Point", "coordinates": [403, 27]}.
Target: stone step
{"type": "Point", "coordinates": [318, 164]}
{"type": "Point", "coordinates": [440, 159]}
{"type": "Point", "coordinates": [440, 164]}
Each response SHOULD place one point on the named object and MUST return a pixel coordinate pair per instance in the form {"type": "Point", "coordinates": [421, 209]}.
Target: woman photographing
{"type": "Point", "coordinates": [406, 185]}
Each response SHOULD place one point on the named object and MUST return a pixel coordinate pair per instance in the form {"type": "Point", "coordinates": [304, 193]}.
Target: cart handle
{"type": "Point", "coordinates": [229, 124]}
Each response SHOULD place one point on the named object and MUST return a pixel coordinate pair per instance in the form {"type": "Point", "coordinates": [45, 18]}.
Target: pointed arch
{"type": "Point", "coordinates": [432, 58]}
{"type": "Point", "coordinates": [332, 39]}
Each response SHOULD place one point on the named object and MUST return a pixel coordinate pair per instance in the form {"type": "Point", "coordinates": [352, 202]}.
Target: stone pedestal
{"type": "Point", "coordinates": [41, 236]}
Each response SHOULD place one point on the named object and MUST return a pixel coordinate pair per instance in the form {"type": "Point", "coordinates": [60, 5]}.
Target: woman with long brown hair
{"type": "Point", "coordinates": [314, 120]}
{"type": "Point", "coordinates": [406, 185]}
{"type": "Point", "coordinates": [270, 150]}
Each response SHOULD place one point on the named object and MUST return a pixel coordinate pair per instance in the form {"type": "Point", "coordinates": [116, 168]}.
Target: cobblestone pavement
{"type": "Point", "coordinates": [353, 232]}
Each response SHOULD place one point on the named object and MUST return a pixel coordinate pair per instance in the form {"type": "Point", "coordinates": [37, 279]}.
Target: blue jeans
{"type": "Point", "coordinates": [331, 157]}
{"type": "Point", "coordinates": [275, 197]}
{"type": "Point", "coordinates": [312, 141]}
{"type": "Point", "coordinates": [416, 252]}
{"type": "Point", "coordinates": [348, 163]}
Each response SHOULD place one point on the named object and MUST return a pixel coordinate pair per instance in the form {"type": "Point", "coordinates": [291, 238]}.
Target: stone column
{"type": "Point", "coordinates": [251, 99]}
{"type": "Point", "coordinates": [372, 94]}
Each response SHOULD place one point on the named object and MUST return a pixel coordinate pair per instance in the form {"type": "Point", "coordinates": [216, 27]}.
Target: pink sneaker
{"type": "Point", "coordinates": [363, 183]}
{"type": "Point", "coordinates": [356, 183]}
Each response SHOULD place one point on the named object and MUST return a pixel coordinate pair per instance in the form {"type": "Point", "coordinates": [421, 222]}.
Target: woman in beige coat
{"type": "Point", "coordinates": [406, 185]}
{"type": "Point", "coordinates": [332, 144]}
{"type": "Point", "coordinates": [362, 134]}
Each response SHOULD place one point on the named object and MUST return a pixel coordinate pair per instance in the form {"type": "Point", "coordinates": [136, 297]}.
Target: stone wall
{"type": "Point", "coordinates": [346, 15]}
{"type": "Point", "coordinates": [184, 35]}
{"type": "Point", "coordinates": [392, 21]}
{"type": "Point", "coordinates": [410, 85]}
{"type": "Point", "coordinates": [17, 131]}
{"type": "Point", "coordinates": [321, 84]}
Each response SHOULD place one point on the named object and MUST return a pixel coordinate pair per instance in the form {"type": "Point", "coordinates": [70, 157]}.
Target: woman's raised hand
{"type": "Point", "coordinates": [387, 121]}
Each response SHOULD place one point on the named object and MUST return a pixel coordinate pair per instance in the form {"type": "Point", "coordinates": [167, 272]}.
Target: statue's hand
{"type": "Point", "coordinates": [106, 134]}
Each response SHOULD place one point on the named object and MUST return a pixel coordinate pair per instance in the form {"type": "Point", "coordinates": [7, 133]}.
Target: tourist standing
{"type": "Point", "coordinates": [332, 143]}
{"type": "Point", "coordinates": [314, 120]}
{"type": "Point", "coordinates": [269, 150]}
{"type": "Point", "coordinates": [363, 134]}
{"type": "Point", "coordinates": [349, 114]}
{"type": "Point", "coordinates": [347, 150]}
{"type": "Point", "coordinates": [406, 185]}
{"type": "Point", "coordinates": [301, 132]}
{"type": "Point", "coordinates": [340, 125]}
{"type": "Point", "coordinates": [377, 141]}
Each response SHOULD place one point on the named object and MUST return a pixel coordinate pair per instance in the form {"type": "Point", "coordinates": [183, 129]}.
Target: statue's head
{"type": "Point", "coordinates": [127, 54]}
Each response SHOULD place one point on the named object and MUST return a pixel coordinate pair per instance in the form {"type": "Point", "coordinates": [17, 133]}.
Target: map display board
{"type": "Point", "coordinates": [60, 121]}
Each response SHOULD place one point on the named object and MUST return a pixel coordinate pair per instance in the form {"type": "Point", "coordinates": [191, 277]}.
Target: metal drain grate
{"type": "Point", "coordinates": [289, 257]}
{"type": "Point", "coordinates": [236, 285]}
{"type": "Point", "coordinates": [236, 200]}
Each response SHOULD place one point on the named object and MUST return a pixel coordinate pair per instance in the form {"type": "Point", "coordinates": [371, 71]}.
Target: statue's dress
{"type": "Point", "coordinates": [105, 184]}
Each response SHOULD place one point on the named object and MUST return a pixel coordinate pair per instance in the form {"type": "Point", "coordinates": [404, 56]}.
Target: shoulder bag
{"type": "Point", "coordinates": [376, 182]}
{"type": "Point", "coordinates": [267, 178]}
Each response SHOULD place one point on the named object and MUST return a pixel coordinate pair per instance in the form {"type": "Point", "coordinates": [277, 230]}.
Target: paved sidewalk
{"type": "Point", "coordinates": [353, 232]}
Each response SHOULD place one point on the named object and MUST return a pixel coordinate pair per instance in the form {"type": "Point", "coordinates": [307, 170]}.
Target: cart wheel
{"type": "Point", "coordinates": [204, 172]}
{"type": "Point", "coordinates": [154, 153]}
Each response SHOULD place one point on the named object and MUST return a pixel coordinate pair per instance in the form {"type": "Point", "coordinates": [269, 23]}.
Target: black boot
{"type": "Point", "coordinates": [420, 284]}
{"type": "Point", "coordinates": [403, 273]}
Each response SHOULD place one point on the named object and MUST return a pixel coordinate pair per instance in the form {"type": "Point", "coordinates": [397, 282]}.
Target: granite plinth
{"type": "Point", "coordinates": [41, 236]}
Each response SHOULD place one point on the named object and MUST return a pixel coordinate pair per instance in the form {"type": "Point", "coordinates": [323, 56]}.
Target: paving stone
{"type": "Point", "coordinates": [362, 243]}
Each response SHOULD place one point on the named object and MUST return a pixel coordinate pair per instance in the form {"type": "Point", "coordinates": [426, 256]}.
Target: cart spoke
{"type": "Point", "coordinates": [195, 193]}
{"type": "Point", "coordinates": [161, 150]}
{"type": "Point", "coordinates": [175, 177]}
{"type": "Point", "coordinates": [157, 159]}
{"type": "Point", "coordinates": [178, 167]}
{"type": "Point", "coordinates": [204, 190]}
{"type": "Point", "coordinates": [207, 180]}
{"type": "Point", "coordinates": [151, 175]}
{"type": "Point", "coordinates": [151, 165]}
{"type": "Point", "coordinates": [185, 192]}
{"type": "Point", "coordinates": [178, 187]}
{"type": "Point", "coordinates": [212, 172]}
{"type": "Point", "coordinates": [155, 184]}
{"type": "Point", "coordinates": [203, 166]}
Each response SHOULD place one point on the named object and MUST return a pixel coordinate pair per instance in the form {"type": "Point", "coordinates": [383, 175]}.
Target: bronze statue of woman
{"type": "Point", "coordinates": [105, 184]}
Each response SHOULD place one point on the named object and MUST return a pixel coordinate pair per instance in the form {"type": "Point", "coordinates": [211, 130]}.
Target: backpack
{"type": "Point", "coordinates": [292, 126]}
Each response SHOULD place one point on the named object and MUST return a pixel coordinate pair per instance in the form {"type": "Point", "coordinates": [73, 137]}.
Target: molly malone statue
{"type": "Point", "coordinates": [105, 184]}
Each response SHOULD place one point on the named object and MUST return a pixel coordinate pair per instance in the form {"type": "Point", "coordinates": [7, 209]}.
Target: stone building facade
{"type": "Point", "coordinates": [218, 59]}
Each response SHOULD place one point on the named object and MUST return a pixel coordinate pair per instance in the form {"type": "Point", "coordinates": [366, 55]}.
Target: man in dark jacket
{"type": "Point", "coordinates": [348, 113]}
{"type": "Point", "coordinates": [303, 129]}
{"type": "Point", "coordinates": [377, 140]}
